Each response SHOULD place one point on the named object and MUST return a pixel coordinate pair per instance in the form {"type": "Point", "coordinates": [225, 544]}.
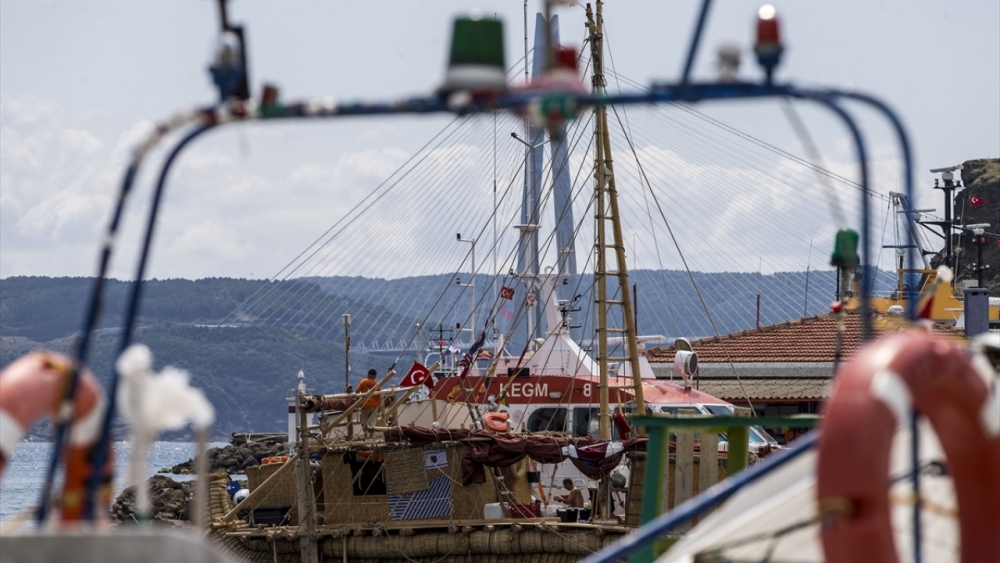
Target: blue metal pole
{"type": "Point", "coordinates": [904, 148]}
{"type": "Point", "coordinates": [910, 280]}
{"type": "Point", "coordinates": [93, 315]}
{"type": "Point", "coordinates": [100, 449]}
{"type": "Point", "coordinates": [695, 40]}
{"type": "Point", "coordinates": [646, 535]}
{"type": "Point", "coordinates": [861, 154]}
{"type": "Point", "coordinates": [918, 555]}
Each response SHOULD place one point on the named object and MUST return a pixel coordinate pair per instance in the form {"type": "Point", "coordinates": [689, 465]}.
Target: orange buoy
{"type": "Point", "coordinates": [32, 387]}
{"type": "Point", "coordinates": [873, 395]}
{"type": "Point", "coordinates": [496, 421]}
{"type": "Point", "coordinates": [274, 459]}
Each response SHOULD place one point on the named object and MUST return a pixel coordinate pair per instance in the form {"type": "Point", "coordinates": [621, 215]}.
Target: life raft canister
{"type": "Point", "coordinates": [31, 387]}
{"type": "Point", "coordinates": [873, 395]}
{"type": "Point", "coordinates": [496, 421]}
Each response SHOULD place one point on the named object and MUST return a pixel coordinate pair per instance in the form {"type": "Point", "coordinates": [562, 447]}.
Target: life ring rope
{"type": "Point", "coordinates": [11, 432]}
{"type": "Point", "coordinates": [31, 387]}
{"type": "Point", "coordinates": [496, 421]}
{"type": "Point", "coordinates": [873, 396]}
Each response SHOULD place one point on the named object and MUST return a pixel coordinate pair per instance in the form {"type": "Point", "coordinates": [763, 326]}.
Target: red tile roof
{"type": "Point", "coordinates": [812, 339]}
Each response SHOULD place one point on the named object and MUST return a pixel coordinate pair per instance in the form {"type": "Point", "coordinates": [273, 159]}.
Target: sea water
{"type": "Point", "coordinates": [21, 482]}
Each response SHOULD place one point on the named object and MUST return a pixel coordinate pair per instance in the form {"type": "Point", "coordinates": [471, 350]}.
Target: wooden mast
{"type": "Point", "coordinates": [607, 210]}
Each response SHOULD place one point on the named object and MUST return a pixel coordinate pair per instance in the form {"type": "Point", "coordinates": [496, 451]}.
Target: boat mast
{"type": "Point", "coordinates": [607, 210]}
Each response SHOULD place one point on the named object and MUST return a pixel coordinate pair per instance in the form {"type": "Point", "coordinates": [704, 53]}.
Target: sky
{"type": "Point", "coordinates": [82, 82]}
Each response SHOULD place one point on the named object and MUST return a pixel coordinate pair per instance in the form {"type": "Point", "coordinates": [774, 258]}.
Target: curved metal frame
{"type": "Point", "coordinates": [209, 118]}
{"type": "Point", "coordinates": [101, 448]}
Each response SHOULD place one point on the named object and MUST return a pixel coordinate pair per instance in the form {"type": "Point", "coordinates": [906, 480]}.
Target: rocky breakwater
{"type": "Point", "coordinates": [170, 501]}
{"type": "Point", "coordinates": [232, 458]}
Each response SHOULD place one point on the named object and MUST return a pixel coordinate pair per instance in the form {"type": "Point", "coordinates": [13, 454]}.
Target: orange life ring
{"type": "Point", "coordinates": [274, 459]}
{"type": "Point", "coordinates": [32, 387]}
{"type": "Point", "coordinates": [496, 421]}
{"type": "Point", "coordinates": [872, 396]}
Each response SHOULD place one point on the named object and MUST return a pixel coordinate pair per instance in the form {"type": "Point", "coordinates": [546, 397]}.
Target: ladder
{"type": "Point", "coordinates": [606, 204]}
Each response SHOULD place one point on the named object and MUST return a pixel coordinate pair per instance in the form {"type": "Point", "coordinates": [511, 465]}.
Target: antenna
{"type": "Point", "coordinates": [946, 169]}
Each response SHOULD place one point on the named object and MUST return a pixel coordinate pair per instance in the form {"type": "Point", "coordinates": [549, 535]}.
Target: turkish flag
{"type": "Point", "coordinates": [507, 292]}
{"type": "Point", "coordinates": [418, 374]}
{"type": "Point", "coordinates": [975, 201]}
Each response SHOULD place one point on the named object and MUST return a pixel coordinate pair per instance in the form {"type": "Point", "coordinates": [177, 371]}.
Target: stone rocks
{"type": "Point", "coordinates": [982, 182]}
{"type": "Point", "coordinates": [169, 501]}
{"type": "Point", "coordinates": [232, 459]}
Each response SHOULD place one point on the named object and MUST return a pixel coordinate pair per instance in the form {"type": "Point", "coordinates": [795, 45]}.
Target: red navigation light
{"type": "Point", "coordinates": [565, 57]}
{"type": "Point", "coordinates": [767, 25]}
{"type": "Point", "coordinates": [269, 96]}
{"type": "Point", "coordinates": [768, 47]}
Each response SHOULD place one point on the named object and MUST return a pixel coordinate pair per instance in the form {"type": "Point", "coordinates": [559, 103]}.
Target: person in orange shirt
{"type": "Point", "coordinates": [369, 410]}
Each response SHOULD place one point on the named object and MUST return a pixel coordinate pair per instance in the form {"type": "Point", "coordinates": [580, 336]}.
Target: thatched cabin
{"type": "Point", "coordinates": [401, 483]}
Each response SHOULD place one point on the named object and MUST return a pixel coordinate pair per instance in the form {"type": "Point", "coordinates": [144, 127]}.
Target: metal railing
{"type": "Point", "coordinates": [643, 547]}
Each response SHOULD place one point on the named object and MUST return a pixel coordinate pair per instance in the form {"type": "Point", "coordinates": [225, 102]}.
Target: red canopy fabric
{"type": "Point", "coordinates": [503, 450]}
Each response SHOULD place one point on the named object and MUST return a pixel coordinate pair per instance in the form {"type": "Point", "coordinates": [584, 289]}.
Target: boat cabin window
{"type": "Point", "coordinates": [547, 420]}
{"type": "Point", "coordinates": [367, 476]}
{"type": "Point", "coordinates": [587, 422]}
{"type": "Point", "coordinates": [758, 436]}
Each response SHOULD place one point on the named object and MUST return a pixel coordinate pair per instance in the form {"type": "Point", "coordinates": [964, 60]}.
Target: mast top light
{"type": "Point", "coordinates": [476, 60]}
{"type": "Point", "coordinates": [767, 25]}
{"type": "Point", "coordinates": [768, 46]}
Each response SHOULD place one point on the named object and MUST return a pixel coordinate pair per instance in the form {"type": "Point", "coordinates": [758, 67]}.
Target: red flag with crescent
{"type": "Point", "coordinates": [418, 374]}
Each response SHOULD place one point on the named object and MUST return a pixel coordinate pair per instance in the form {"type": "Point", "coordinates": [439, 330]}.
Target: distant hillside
{"type": "Point", "coordinates": [246, 372]}
{"type": "Point", "coordinates": [731, 297]}
{"type": "Point", "coordinates": [44, 309]}
{"type": "Point", "coordinates": [244, 340]}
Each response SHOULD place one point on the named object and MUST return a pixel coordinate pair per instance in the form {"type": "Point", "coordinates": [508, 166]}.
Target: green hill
{"type": "Point", "coordinates": [243, 341]}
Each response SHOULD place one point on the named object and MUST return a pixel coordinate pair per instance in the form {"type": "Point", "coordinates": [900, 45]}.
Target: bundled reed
{"type": "Point", "coordinates": [516, 480]}
{"type": "Point", "coordinates": [502, 545]}
{"type": "Point", "coordinates": [280, 493]}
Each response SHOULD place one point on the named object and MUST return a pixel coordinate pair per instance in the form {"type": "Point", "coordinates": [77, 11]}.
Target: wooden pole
{"type": "Point", "coordinates": [628, 319]}
{"type": "Point", "coordinates": [201, 484]}
{"type": "Point", "coordinates": [600, 261]}
{"type": "Point", "coordinates": [304, 492]}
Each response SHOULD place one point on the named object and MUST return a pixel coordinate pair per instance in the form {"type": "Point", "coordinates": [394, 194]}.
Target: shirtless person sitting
{"type": "Point", "coordinates": [574, 498]}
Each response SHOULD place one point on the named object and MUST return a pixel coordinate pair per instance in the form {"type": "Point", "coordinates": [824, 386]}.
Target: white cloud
{"type": "Point", "coordinates": [78, 140]}
{"type": "Point", "coordinates": [18, 150]}
{"type": "Point", "coordinates": [207, 240]}
{"type": "Point", "coordinates": [65, 214]}
{"type": "Point", "coordinates": [130, 139]}
{"type": "Point", "coordinates": [54, 191]}
{"type": "Point", "coordinates": [25, 110]}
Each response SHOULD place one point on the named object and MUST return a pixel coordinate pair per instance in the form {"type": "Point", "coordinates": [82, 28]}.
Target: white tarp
{"type": "Point", "coordinates": [775, 515]}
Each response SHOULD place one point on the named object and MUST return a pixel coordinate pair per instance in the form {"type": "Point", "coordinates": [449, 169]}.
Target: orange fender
{"type": "Point", "coordinates": [32, 387]}
{"type": "Point", "coordinates": [872, 396]}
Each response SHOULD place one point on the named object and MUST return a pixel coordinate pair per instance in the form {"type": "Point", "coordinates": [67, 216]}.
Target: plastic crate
{"type": "Point", "coordinates": [525, 510]}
